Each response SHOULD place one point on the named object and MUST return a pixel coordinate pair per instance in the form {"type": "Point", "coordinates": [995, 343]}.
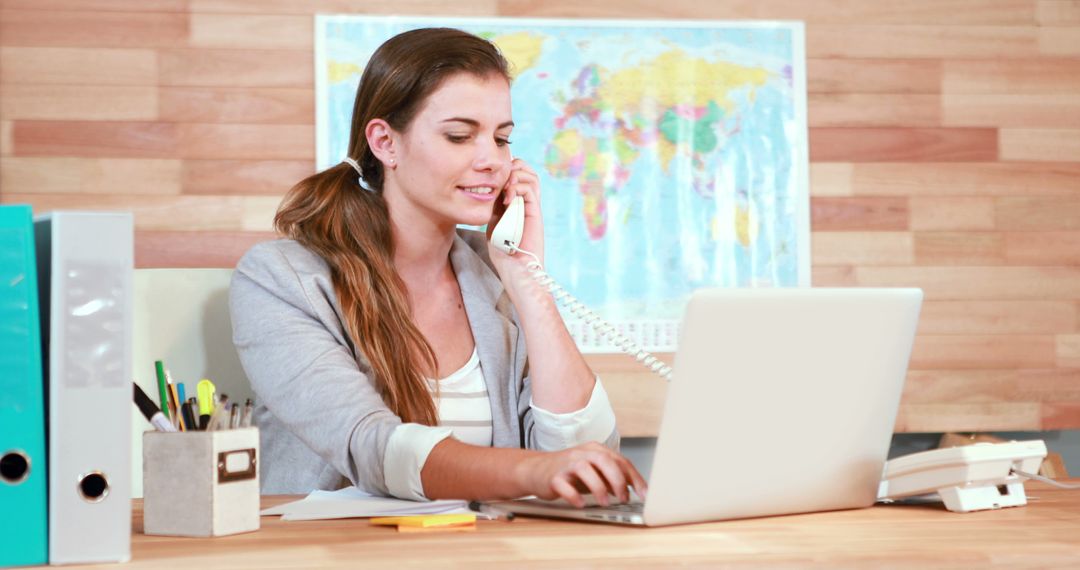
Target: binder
{"type": "Point", "coordinates": [23, 526]}
{"type": "Point", "coordinates": [85, 266]}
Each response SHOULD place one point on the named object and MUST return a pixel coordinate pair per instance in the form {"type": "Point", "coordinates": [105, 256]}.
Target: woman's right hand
{"type": "Point", "coordinates": [587, 468]}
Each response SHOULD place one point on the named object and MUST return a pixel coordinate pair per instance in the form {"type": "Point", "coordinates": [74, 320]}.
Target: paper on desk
{"type": "Point", "coordinates": [351, 502]}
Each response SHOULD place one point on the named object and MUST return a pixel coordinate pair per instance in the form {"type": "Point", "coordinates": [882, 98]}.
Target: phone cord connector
{"type": "Point", "coordinates": [602, 327]}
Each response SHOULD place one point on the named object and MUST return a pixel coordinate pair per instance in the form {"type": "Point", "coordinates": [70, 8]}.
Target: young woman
{"type": "Point", "coordinates": [391, 351]}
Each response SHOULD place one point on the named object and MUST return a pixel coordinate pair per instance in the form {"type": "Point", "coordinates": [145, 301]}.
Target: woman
{"type": "Point", "coordinates": [342, 327]}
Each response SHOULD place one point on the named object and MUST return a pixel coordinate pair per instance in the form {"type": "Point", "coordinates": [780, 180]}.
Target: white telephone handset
{"type": "Point", "coordinates": [507, 233]}
{"type": "Point", "coordinates": [506, 236]}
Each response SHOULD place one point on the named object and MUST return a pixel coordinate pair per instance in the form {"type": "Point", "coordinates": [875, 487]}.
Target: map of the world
{"type": "Point", "coordinates": [672, 155]}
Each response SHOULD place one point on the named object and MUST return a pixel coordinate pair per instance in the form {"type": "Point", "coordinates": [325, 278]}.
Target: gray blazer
{"type": "Point", "coordinates": [323, 424]}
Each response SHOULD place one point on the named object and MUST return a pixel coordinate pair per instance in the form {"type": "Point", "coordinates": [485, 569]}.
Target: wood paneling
{"type": "Point", "coordinates": [859, 214]}
{"type": "Point", "coordinates": [1042, 248]}
{"type": "Point", "coordinates": [989, 283]}
{"type": "Point", "coordinates": [969, 12]}
{"type": "Point", "coordinates": [237, 105]}
{"type": "Point", "coordinates": [830, 144]}
{"type": "Point", "coordinates": [1037, 213]}
{"type": "Point", "coordinates": [1050, 110]}
{"type": "Point", "coordinates": [249, 142]}
{"type": "Point", "coordinates": [97, 138]}
{"type": "Point", "coordinates": [923, 41]}
{"type": "Point", "coordinates": [422, 7]}
{"type": "Point", "coordinates": [251, 31]}
{"type": "Point", "coordinates": [236, 68]}
{"type": "Point", "coordinates": [66, 175]}
{"type": "Point", "coordinates": [638, 400]}
{"type": "Point", "coordinates": [63, 28]}
{"type": "Point", "coordinates": [1060, 41]}
{"type": "Point", "coordinates": [967, 179]}
{"type": "Point", "coordinates": [959, 248]}
{"type": "Point", "coordinates": [7, 138]}
{"type": "Point", "coordinates": [944, 140]}
{"type": "Point", "coordinates": [79, 103]}
{"type": "Point", "coordinates": [1040, 144]}
{"type": "Point", "coordinates": [889, 76]}
{"type": "Point", "coordinates": [968, 386]}
{"type": "Point", "coordinates": [995, 416]}
{"type": "Point", "coordinates": [86, 67]}
{"type": "Point", "coordinates": [862, 248]}
{"type": "Point", "coordinates": [1011, 76]}
{"type": "Point", "coordinates": [1068, 350]}
{"type": "Point", "coordinates": [951, 213]}
{"type": "Point", "coordinates": [874, 110]}
{"type": "Point", "coordinates": [1057, 12]}
{"type": "Point", "coordinates": [830, 179]}
{"type": "Point", "coordinates": [833, 276]}
{"type": "Point", "coordinates": [99, 5]}
{"type": "Point", "coordinates": [997, 317]}
{"type": "Point", "coordinates": [984, 351]}
{"type": "Point", "coordinates": [1060, 415]}
{"type": "Point", "coordinates": [194, 248]}
{"type": "Point", "coordinates": [273, 177]}
{"type": "Point", "coordinates": [190, 213]}
{"type": "Point", "coordinates": [163, 140]}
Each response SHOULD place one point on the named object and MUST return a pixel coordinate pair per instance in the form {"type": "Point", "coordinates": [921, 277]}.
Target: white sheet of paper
{"type": "Point", "coordinates": [351, 502]}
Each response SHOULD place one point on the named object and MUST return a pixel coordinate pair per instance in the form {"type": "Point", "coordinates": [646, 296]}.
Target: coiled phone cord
{"type": "Point", "coordinates": [602, 327]}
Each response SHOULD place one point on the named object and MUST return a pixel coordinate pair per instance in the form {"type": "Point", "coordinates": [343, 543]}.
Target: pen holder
{"type": "Point", "coordinates": [201, 483]}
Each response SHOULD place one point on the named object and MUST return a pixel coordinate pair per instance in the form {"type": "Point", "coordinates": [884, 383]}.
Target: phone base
{"type": "Point", "coordinates": [984, 497]}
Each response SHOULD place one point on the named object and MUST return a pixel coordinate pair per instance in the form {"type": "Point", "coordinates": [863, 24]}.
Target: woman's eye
{"type": "Point", "coordinates": [457, 138]}
{"type": "Point", "coordinates": [502, 142]}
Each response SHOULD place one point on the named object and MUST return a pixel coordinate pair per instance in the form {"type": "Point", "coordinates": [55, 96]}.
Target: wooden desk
{"type": "Point", "coordinates": [1045, 533]}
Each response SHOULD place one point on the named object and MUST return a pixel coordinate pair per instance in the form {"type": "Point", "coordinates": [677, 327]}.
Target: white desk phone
{"type": "Point", "coordinates": [968, 478]}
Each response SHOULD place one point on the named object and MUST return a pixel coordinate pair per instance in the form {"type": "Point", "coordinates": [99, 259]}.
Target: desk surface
{"type": "Point", "coordinates": [1045, 533]}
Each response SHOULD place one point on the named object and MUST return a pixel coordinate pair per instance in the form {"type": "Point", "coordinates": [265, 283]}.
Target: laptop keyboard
{"type": "Point", "coordinates": [624, 507]}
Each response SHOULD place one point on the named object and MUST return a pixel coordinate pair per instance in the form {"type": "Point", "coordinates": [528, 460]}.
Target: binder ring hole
{"type": "Point", "coordinates": [94, 487]}
{"type": "Point", "coordinates": [14, 467]}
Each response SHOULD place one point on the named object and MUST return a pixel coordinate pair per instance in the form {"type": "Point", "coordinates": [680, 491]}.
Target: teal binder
{"type": "Point", "coordinates": [24, 525]}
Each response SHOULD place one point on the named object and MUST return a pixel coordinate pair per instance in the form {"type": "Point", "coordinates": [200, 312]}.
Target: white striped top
{"type": "Point", "coordinates": [463, 404]}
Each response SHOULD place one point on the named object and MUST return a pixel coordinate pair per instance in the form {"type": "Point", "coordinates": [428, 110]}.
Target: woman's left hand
{"type": "Point", "coordinates": [524, 182]}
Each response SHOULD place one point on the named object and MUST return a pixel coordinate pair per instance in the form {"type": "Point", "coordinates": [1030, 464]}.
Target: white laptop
{"type": "Point", "coordinates": [783, 401]}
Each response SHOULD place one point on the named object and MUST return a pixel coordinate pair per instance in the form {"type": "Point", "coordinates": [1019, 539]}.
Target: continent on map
{"type": "Point", "coordinates": [338, 71]}
{"type": "Point", "coordinates": [521, 49]}
{"type": "Point", "coordinates": [672, 105]}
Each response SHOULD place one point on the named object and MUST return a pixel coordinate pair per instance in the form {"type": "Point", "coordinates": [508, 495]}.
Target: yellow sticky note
{"type": "Point", "coordinates": [463, 527]}
{"type": "Point", "coordinates": [426, 521]}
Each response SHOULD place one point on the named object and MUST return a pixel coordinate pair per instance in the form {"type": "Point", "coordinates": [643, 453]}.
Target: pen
{"type": "Point", "coordinates": [174, 403]}
{"type": "Point", "coordinates": [159, 369]}
{"type": "Point", "coordinates": [219, 413]}
{"type": "Point", "coordinates": [245, 419]}
{"type": "Point", "coordinates": [189, 417]}
{"type": "Point", "coordinates": [490, 510]}
{"type": "Point", "coordinates": [150, 410]}
{"type": "Point", "coordinates": [180, 399]}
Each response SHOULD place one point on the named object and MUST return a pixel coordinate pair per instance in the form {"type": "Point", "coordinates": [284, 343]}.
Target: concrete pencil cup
{"type": "Point", "coordinates": [201, 483]}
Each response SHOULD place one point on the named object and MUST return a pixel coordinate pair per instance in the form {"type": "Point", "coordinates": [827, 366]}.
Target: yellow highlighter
{"type": "Point", "coordinates": [205, 392]}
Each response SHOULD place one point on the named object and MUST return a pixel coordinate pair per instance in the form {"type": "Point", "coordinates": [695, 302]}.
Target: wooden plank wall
{"type": "Point", "coordinates": [945, 150]}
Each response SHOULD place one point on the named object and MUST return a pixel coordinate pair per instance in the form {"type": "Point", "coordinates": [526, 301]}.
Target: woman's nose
{"type": "Point", "coordinates": [492, 158]}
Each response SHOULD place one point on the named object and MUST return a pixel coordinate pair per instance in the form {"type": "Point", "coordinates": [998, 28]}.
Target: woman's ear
{"type": "Point", "coordinates": [380, 138]}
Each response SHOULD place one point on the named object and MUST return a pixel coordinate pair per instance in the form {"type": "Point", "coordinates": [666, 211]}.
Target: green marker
{"type": "Point", "coordinates": [159, 367]}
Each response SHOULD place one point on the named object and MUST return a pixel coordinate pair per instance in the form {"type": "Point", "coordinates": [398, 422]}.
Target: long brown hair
{"type": "Point", "coordinates": [349, 227]}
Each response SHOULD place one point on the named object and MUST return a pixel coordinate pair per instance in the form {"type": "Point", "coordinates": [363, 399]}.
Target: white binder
{"type": "Point", "coordinates": [86, 263]}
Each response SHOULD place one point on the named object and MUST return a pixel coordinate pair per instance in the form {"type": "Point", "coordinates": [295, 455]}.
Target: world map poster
{"type": "Point", "coordinates": [672, 155]}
